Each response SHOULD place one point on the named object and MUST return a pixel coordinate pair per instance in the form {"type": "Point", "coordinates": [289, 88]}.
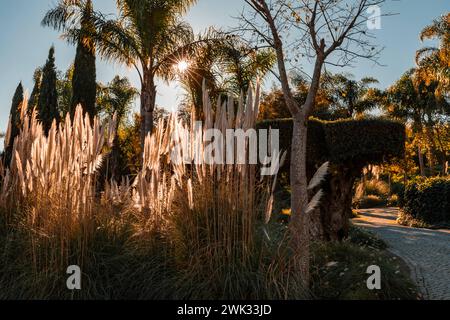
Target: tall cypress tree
{"type": "Point", "coordinates": [16, 121]}
{"type": "Point", "coordinates": [48, 95]}
{"type": "Point", "coordinates": [84, 76]}
{"type": "Point", "coordinates": [34, 98]}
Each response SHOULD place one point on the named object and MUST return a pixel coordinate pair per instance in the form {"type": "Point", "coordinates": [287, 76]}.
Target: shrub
{"type": "Point", "coordinates": [372, 187]}
{"type": "Point", "coordinates": [393, 201]}
{"type": "Point", "coordinates": [368, 141]}
{"type": "Point", "coordinates": [370, 201]}
{"type": "Point", "coordinates": [377, 188]}
{"type": "Point", "coordinates": [428, 200]}
{"type": "Point", "coordinates": [406, 219]}
{"type": "Point", "coordinates": [364, 238]}
{"type": "Point", "coordinates": [397, 187]}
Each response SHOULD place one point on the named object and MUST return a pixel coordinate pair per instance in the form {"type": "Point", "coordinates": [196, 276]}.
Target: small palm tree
{"type": "Point", "coordinates": [355, 97]}
{"type": "Point", "coordinates": [150, 36]}
{"type": "Point", "coordinates": [244, 65]}
{"type": "Point", "coordinates": [116, 98]}
{"type": "Point", "coordinates": [434, 62]}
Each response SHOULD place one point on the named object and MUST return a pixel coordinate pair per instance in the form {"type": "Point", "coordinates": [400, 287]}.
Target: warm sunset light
{"type": "Point", "coordinates": [182, 66]}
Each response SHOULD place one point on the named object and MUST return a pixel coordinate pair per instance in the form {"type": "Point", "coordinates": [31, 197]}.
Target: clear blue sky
{"type": "Point", "coordinates": [25, 44]}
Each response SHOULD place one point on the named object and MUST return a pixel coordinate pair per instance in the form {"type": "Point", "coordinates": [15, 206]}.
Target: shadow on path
{"type": "Point", "coordinates": [426, 251]}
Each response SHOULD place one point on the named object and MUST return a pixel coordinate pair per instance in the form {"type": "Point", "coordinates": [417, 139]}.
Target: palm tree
{"type": "Point", "coordinates": [415, 100]}
{"type": "Point", "coordinates": [244, 65]}
{"type": "Point", "coordinates": [150, 36]}
{"type": "Point", "coordinates": [75, 18]}
{"type": "Point", "coordinates": [116, 99]}
{"type": "Point", "coordinates": [202, 69]}
{"type": "Point", "coordinates": [226, 65]}
{"type": "Point", "coordinates": [352, 96]}
{"type": "Point", "coordinates": [434, 62]}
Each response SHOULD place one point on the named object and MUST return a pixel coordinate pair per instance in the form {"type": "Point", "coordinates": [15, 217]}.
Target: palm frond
{"type": "Point", "coordinates": [319, 176]}
{"type": "Point", "coordinates": [315, 202]}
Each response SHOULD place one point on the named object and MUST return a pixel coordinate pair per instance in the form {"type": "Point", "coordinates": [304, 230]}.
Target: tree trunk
{"type": "Point", "coordinates": [442, 152]}
{"type": "Point", "coordinates": [300, 224]}
{"type": "Point", "coordinates": [114, 163]}
{"type": "Point", "coordinates": [421, 164]}
{"type": "Point", "coordinates": [330, 222]}
{"type": "Point", "coordinates": [148, 101]}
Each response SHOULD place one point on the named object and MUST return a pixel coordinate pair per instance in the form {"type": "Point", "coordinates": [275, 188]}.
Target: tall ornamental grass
{"type": "Point", "coordinates": [179, 229]}
{"type": "Point", "coordinates": [49, 189]}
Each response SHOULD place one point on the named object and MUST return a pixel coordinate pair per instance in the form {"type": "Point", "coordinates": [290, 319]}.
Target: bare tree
{"type": "Point", "coordinates": [324, 31]}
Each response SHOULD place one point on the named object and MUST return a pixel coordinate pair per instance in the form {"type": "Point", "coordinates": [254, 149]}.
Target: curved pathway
{"type": "Point", "coordinates": [426, 251]}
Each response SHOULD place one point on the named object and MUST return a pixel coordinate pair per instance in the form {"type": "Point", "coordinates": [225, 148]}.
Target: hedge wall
{"type": "Point", "coordinates": [363, 141]}
{"type": "Point", "coordinates": [349, 145]}
{"type": "Point", "coordinates": [428, 200]}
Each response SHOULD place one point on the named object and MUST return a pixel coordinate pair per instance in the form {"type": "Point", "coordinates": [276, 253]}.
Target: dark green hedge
{"type": "Point", "coordinates": [428, 200]}
{"type": "Point", "coordinates": [364, 141]}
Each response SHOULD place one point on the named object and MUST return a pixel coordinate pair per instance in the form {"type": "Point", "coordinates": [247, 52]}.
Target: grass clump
{"type": "Point", "coordinates": [339, 270]}
{"type": "Point", "coordinates": [370, 201]}
{"type": "Point", "coordinates": [180, 230]}
{"type": "Point", "coordinates": [371, 194]}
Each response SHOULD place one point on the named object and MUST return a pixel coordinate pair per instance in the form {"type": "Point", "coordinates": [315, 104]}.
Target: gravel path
{"type": "Point", "coordinates": [426, 251]}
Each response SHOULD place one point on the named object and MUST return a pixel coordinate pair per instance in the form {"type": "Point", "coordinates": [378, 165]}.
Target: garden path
{"type": "Point", "coordinates": [427, 252]}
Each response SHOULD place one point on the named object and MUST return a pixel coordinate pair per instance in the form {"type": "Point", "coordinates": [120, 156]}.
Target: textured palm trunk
{"type": "Point", "coordinates": [300, 224]}
{"type": "Point", "coordinates": [148, 101]}
{"type": "Point", "coordinates": [331, 221]}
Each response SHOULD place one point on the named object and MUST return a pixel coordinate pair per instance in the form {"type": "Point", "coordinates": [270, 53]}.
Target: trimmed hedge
{"type": "Point", "coordinates": [428, 200]}
{"type": "Point", "coordinates": [368, 141]}
{"type": "Point", "coordinates": [349, 145]}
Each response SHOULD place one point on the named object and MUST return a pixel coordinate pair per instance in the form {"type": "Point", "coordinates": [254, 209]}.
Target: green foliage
{"type": "Point", "coordinates": [338, 97]}
{"type": "Point", "coordinates": [406, 219]}
{"type": "Point", "coordinates": [34, 98]}
{"type": "Point", "coordinates": [371, 194]}
{"type": "Point", "coordinates": [370, 201]}
{"type": "Point", "coordinates": [84, 81]}
{"type": "Point", "coordinates": [377, 188]}
{"type": "Point", "coordinates": [15, 121]}
{"type": "Point", "coordinates": [84, 75]}
{"type": "Point", "coordinates": [364, 238]}
{"type": "Point", "coordinates": [65, 91]}
{"type": "Point", "coordinates": [116, 97]}
{"type": "Point", "coordinates": [227, 65]}
{"type": "Point", "coordinates": [76, 20]}
{"type": "Point", "coordinates": [128, 146]}
{"type": "Point", "coordinates": [15, 112]}
{"type": "Point", "coordinates": [428, 200]}
{"type": "Point", "coordinates": [366, 141]}
{"type": "Point", "coordinates": [393, 201]}
{"type": "Point", "coordinates": [339, 273]}
{"type": "Point", "coordinates": [48, 94]}
{"type": "Point", "coordinates": [350, 97]}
